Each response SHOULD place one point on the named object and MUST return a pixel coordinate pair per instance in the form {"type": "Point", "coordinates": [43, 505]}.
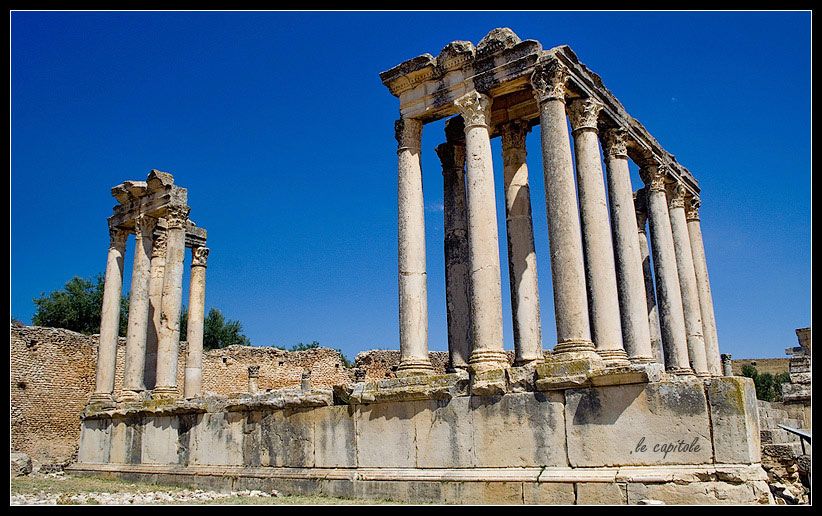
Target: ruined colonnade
{"type": "Point", "coordinates": [611, 309]}
{"type": "Point", "coordinates": [156, 212]}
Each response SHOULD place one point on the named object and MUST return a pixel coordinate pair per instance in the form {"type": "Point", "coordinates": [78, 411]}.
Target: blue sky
{"type": "Point", "coordinates": [279, 127]}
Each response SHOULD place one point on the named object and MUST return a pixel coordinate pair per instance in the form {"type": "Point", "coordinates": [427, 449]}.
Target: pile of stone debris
{"type": "Point", "coordinates": [784, 458]}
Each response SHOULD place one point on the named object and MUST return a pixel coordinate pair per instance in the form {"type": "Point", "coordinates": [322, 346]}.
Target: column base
{"type": "Point", "coordinates": [485, 360]}
{"type": "Point", "coordinates": [165, 393]}
{"type": "Point", "coordinates": [681, 371]}
{"type": "Point", "coordinates": [642, 360]}
{"type": "Point", "coordinates": [102, 400]}
{"type": "Point", "coordinates": [614, 357]}
{"type": "Point", "coordinates": [414, 367]}
{"type": "Point", "coordinates": [130, 395]}
{"type": "Point", "coordinates": [572, 365]}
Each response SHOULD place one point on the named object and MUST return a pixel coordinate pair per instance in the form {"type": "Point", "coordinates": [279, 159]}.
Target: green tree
{"type": "Point", "coordinates": [219, 332]}
{"type": "Point", "coordinates": [766, 386]}
{"type": "Point", "coordinates": [778, 381]}
{"type": "Point", "coordinates": [77, 307]}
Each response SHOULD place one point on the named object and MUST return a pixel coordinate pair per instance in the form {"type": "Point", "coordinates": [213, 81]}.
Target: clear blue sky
{"type": "Point", "coordinates": [279, 127]}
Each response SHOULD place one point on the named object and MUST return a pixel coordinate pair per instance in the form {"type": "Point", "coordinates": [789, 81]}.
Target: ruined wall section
{"type": "Point", "coordinates": [52, 374]}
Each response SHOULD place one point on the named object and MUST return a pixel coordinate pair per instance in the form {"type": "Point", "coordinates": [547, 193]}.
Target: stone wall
{"type": "Point", "coordinates": [53, 373]}
{"type": "Point", "coordinates": [379, 364]}
{"type": "Point", "coordinates": [774, 366]}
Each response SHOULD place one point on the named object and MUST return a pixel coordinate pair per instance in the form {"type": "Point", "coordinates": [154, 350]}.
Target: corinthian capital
{"type": "Point", "coordinates": [654, 176]}
{"type": "Point", "coordinates": [677, 194]}
{"type": "Point", "coordinates": [641, 207]}
{"type": "Point", "coordinates": [475, 108]}
{"type": "Point", "coordinates": [452, 157]}
{"type": "Point", "coordinates": [117, 237]}
{"type": "Point", "coordinates": [144, 226]}
{"type": "Point", "coordinates": [549, 80]}
{"type": "Point", "coordinates": [584, 113]}
{"type": "Point", "coordinates": [408, 132]}
{"type": "Point", "coordinates": [177, 216]}
{"type": "Point", "coordinates": [513, 135]}
{"type": "Point", "coordinates": [614, 140]}
{"type": "Point", "coordinates": [160, 245]}
{"type": "Point", "coordinates": [692, 208]}
{"type": "Point", "coordinates": [199, 256]}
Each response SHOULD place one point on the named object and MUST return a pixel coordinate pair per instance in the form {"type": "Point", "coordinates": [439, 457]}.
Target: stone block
{"type": "Point", "coordinates": [517, 430]}
{"type": "Point", "coordinates": [385, 435]}
{"type": "Point", "coordinates": [95, 441]}
{"type": "Point", "coordinates": [639, 424]}
{"type": "Point", "coordinates": [444, 434]}
{"type": "Point", "coordinates": [216, 439]}
{"type": "Point", "coordinates": [159, 440]}
{"type": "Point", "coordinates": [287, 438]}
{"type": "Point", "coordinates": [734, 420]}
{"type": "Point", "coordinates": [335, 444]}
{"type": "Point", "coordinates": [548, 493]}
{"type": "Point", "coordinates": [701, 493]}
{"type": "Point", "coordinates": [19, 464]}
{"type": "Point", "coordinates": [601, 493]}
{"type": "Point", "coordinates": [489, 382]}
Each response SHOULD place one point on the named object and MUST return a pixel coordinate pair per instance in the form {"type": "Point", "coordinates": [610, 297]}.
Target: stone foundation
{"type": "Point", "coordinates": [431, 440]}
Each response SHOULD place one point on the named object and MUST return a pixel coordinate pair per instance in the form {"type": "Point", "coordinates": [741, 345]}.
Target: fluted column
{"type": "Point", "coordinates": [483, 243]}
{"type": "Point", "coordinates": [522, 257]}
{"type": "Point", "coordinates": [633, 307]}
{"type": "Point", "coordinates": [669, 295]}
{"type": "Point", "coordinates": [168, 347]}
{"type": "Point", "coordinates": [564, 237]}
{"type": "Point", "coordinates": [457, 267]}
{"type": "Point", "coordinates": [193, 384]}
{"type": "Point", "coordinates": [110, 318]}
{"type": "Point", "coordinates": [603, 300]}
{"type": "Point", "coordinates": [411, 252]}
{"type": "Point", "coordinates": [687, 282]}
{"type": "Point", "coordinates": [706, 302]}
{"type": "Point", "coordinates": [138, 309]}
{"type": "Point", "coordinates": [155, 297]}
{"type": "Point", "coordinates": [648, 277]}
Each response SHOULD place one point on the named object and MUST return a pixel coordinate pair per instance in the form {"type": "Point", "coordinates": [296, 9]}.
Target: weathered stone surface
{"type": "Point", "coordinates": [640, 424]}
{"type": "Point", "coordinates": [19, 464]}
{"type": "Point", "coordinates": [287, 438]}
{"type": "Point", "coordinates": [519, 430]}
{"type": "Point", "coordinates": [217, 439]}
{"type": "Point", "coordinates": [548, 493]}
{"type": "Point", "coordinates": [159, 440]}
{"type": "Point", "coordinates": [335, 437]}
{"type": "Point", "coordinates": [444, 434]}
{"type": "Point", "coordinates": [95, 441]}
{"type": "Point", "coordinates": [734, 419]}
{"type": "Point", "coordinates": [489, 382]}
{"type": "Point", "coordinates": [703, 493]}
{"type": "Point", "coordinates": [385, 435]}
{"type": "Point", "coordinates": [601, 493]}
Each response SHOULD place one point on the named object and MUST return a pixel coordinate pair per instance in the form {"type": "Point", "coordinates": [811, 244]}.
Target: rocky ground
{"type": "Point", "coordinates": [62, 489]}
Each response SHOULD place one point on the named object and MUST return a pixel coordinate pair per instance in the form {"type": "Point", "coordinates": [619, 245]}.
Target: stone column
{"type": "Point", "coordinates": [253, 376]}
{"type": "Point", "coordinates": [196, 317]}
{"type": "Point", "coordinates": [564, 237]}
{"type": "Point", "coordinates": [727, 364]}
{"type": "Point", "coordinates": [669, 295]}
{"type": "Point", "coordinates": [648, 277]}
{"type": "Point", "coordinates": [138, 310]}
{"type": "Point", "coordinates": [411, 252]}
{"type": "Point", "coordinates": [483, 243]}
{"type": "Point", "coordinates": [706, 302]}
{"type": "Point", "coordinates": [522, 257]}
{"type": "Point", "coordinates": [600, 271]}
{"type": "Point", "coordinates": [110, 319]}
{"type": "Point", "coordinates": [168, 347]}
{"type": "Point", "coordinates": [633, 306]}
{"type": "Point", "coordinates": [687, 282]}
{"type": "Point", "coordinates": [155, 297]}
{"type": "Point", "coordinates": [457, 267]}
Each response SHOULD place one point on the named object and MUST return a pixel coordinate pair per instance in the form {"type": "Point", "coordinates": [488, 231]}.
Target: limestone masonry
{"type": "Point", "coordinates": [631, 405]}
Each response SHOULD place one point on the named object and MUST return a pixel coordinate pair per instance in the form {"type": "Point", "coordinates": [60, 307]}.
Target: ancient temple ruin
{"type": "Point", "coordinates": [630, 406]}
{"type": "Point", "coordinates": [156, 211]}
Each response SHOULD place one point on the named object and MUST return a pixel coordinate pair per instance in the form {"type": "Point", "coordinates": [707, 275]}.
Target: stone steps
{"type": "Point", "coordinates": [767, 423]}
{"type": "Point", "coordinates": [777, 436]}
{"type": "Point", "coordinates": [782, 450]}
